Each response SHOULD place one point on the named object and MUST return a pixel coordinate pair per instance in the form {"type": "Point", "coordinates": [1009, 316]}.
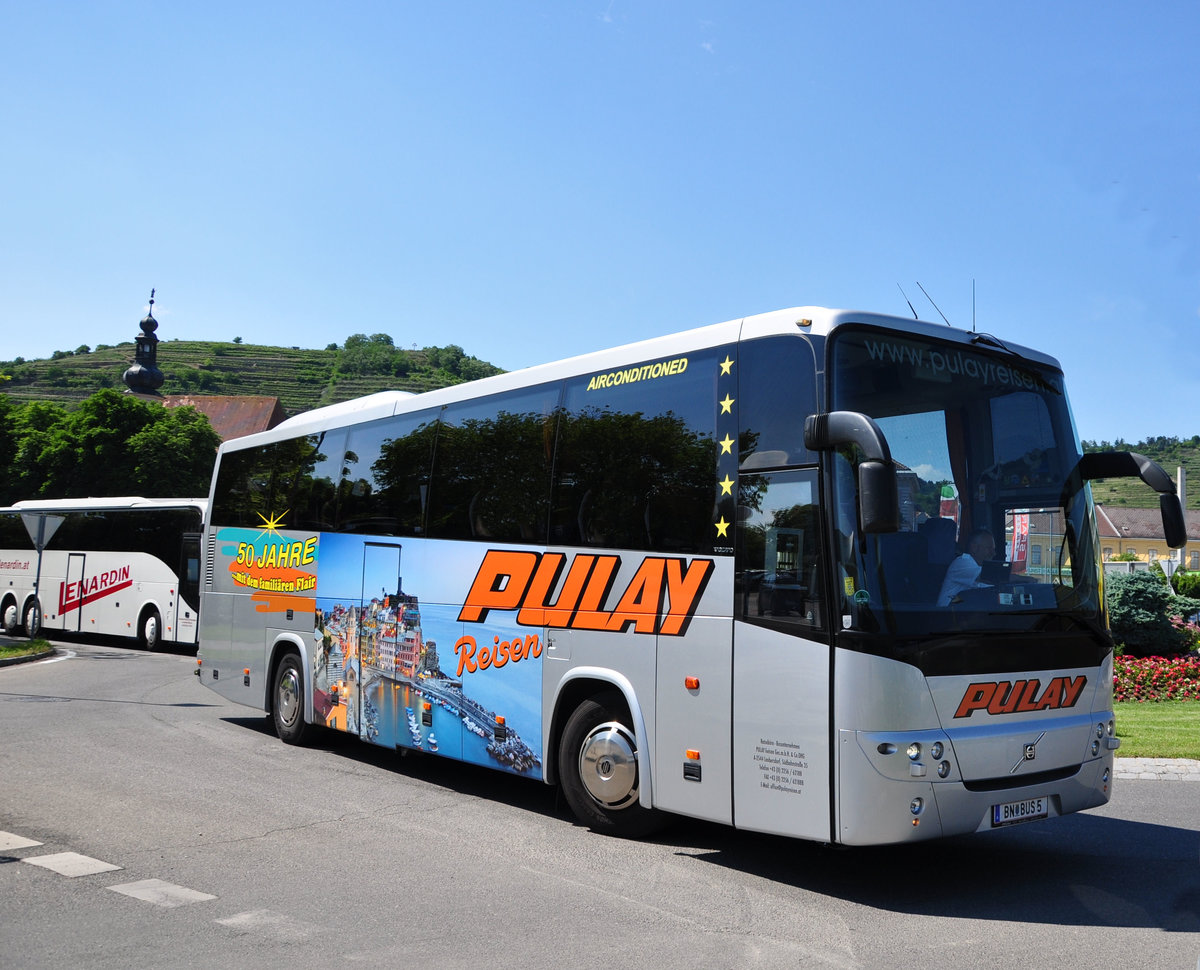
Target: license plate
{"type": "Point", "coordinates": [1025, 810]}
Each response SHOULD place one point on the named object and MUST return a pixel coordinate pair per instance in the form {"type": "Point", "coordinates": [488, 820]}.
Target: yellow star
{"type": "Point", "coordinates": [726, 486]}
{"type": "Point", "coordinates": [722, 529]}
{"type": "Point", "coordinates": [726, 444]}
{"type": "Point", "coordinates": [726, 365]}
{"type": "Point", "coordinates": [726, 405]}
{"type": "Point", "coordinates": [272, 524]}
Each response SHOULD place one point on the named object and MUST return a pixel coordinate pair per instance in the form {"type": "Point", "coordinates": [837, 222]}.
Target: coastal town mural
{"type": "Point", "coordinates": [397, 667]}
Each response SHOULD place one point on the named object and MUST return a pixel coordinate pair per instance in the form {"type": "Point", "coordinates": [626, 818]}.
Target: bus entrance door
{"type": "Point", "coordinates": [71, 600]}
{"type": "Point", "coordinates": [187, 602]}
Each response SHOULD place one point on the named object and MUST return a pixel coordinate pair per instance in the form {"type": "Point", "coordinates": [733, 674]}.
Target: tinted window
{"type": "Point", "coordinates": [778, 572]}
{"type": "Point", "coordinates": [777, 391]}
{"type": "Point", "coordinates": [154, 531]}
{"type": "Point", "coordinates": [491, 476]}
{"type": "Point", "coordinates": [245, 480]}
{"type": "Point", "coordinates": [637, 457]}
{"type": "Point", "coordinates": [306, 476]}
{"type": "Point", "coordinates": [13, 534]}
{"type": "Point", "coordinates": [385, 475]}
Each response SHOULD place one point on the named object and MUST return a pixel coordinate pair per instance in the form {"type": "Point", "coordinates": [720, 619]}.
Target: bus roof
{"type": "Point", "coordinates": [814, 320]}
{"type": "Point", "coordinates": [107, 502]}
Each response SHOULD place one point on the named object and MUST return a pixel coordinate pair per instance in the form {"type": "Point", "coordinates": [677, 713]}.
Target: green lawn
{"type": "Point", "coordinates": [1163, 729]}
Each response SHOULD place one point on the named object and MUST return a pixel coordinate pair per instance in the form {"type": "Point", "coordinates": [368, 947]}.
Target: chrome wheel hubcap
{"type": "Point", "coordinates": [288, 701]}
{"type": "Point", "coordinates": [608, 765]}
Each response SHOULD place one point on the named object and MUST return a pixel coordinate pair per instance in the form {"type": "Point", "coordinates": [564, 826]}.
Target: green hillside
{"type": "Point", "coordinates": [1170, 453]}
{"type": "Point", "coordinates": [300, 379]}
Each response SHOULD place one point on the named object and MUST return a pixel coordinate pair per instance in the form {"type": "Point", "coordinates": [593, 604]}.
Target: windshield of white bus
{"type": "Point", "coordinates": [995, 533]}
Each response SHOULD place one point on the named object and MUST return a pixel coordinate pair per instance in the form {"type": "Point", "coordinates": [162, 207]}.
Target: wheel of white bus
{"type": "Point", "coordinates": [150, 631]}
{"type": "Point", "coordinates": [11, 618]}
{"type": "Point", "coordinates": [33, 619]}
{"type": "Point", "coordinates": [287, 700]}
{"type": "Point", "coordinates": [597, 765]}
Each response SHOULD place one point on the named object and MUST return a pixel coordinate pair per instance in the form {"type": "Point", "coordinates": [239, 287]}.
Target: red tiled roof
{"type": "Point", "coordinates": [1118, 522]}
{"type": "Point", "coordinates": [232, 416]}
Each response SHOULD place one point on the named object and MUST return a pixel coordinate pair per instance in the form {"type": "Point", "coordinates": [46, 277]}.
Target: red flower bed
{"type": "Point", "coordinates": [1156, 678]}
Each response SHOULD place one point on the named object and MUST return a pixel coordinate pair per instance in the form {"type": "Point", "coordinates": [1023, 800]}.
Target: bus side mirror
{"type": "Point", "coordinates": [878, 497]}
{"type": "Point", "coordinates": [1174, 524]}
{"type": "Point", "coordinates": [1128, 464]}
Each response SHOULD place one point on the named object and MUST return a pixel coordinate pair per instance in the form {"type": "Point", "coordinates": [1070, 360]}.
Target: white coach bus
{"type": "Point", "coordinates": [712, 574]}
{"type": "Point", "coordinates": [127, 567]}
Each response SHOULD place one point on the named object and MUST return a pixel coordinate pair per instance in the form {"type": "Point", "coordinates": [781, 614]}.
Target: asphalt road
{"type": "Point", "coordinates": [227, 848]}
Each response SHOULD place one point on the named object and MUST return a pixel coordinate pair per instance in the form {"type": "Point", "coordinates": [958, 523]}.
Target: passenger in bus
{"type": "Point", "coordinates": [963, 572]}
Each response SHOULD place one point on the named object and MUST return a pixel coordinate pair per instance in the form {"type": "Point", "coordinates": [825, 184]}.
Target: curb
{"type": "Point", "coordinates": [5, 641]}
{"type": "Point", "coordinates": [1157, 769]}
{"type": "Point", "coordinates": [28, 658]}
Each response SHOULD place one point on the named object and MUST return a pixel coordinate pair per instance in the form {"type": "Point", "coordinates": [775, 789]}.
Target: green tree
{"type": "Point", "coordinates": [112, 444]}
{"type": "Point", "coordinates": [33, 424]}
{"type": "Point", "coordinates": [173, 455]}
{"type": "Point", "coordinates": [362, 355]}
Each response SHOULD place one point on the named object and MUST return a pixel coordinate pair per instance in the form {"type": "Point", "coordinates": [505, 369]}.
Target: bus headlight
{"type": "Point", "coordinates": [914, 751]}
{"type": "Point", "coordinates": [917, 805]}
{"type": "Point", "coordinates": [943, 769]}
{"type": "Point", "coordinates": [935, 750]}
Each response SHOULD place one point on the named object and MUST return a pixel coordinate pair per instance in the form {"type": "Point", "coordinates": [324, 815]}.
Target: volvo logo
{"type": "Point", "coordinates": [1029, 753]}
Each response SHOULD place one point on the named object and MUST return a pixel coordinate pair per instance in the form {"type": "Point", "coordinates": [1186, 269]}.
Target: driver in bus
{"type": "Point", "coordinates": [963, 572]}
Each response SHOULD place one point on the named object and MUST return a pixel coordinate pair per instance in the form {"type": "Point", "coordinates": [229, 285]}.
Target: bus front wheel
{"type": "Point", "coordinates": [150, 630]}
{"type": "Point", "coordinates": [33, 619]}
{"type": "Point", "coordinates": [287, 701]}
{"type": "Point", "coordinates": [597, 762]}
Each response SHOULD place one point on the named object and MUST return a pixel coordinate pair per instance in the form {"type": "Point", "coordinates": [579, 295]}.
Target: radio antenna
{"type": "Point", "coordinates": [908, 301]}
{"type": "Point", "coordinates": [972, 306]}
{"type": "Point", "coordinates": [935, 306]}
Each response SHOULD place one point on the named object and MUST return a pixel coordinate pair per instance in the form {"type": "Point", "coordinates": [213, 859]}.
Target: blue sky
{"type": "Point", "coordinates": [533, 180]}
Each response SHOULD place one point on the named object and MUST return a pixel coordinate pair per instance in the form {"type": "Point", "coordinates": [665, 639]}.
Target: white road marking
{"type": "Point", "coordinates": [268, 923]}
{"type": "Point", "coordinates": [161, 893]}
{"type": "Point", "coordinates": [71, 864]}
{"type": "Point", "coordinates": [10, 841]}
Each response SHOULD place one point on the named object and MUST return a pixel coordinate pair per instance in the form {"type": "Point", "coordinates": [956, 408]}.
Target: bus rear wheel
{"type": "Point", "coordinates": [597, 763]}
{"type": "Point", "coordinates": [11, 618]}
{"type": "Point", "coordinates": [287, 701]}
{"type": "Point", "coordinates": [150, 630]}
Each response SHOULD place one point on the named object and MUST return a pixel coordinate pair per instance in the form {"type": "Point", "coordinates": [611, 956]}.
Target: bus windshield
{"type": "Point", "coordinates": [996, 533]}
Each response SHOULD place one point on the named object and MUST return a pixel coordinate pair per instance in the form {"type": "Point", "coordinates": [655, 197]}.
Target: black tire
{"type": "Point", "coordinates": [32, 620]}
{"type": "Point", "coordinates": [597, 767]}
{"type": "Point", "coordinates": [287, 701]}
{"type": "Point", "coordinates": [10, 619]}
{"type": "Point", "coordinates": [150, 630]}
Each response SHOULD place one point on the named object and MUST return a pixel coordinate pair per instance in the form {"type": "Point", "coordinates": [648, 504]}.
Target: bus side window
{"type": "Point", "coordinates": [778, 565]}
{"type": "Point", "coordinates": [491, 469]}
{"type": "Point", "coordinates": [243, 489]}
{"type": "Point", "coordinates": [635, 460]}
{"type": "Point", "coordinates": [400, 467]}
{"type": "Point", "coordinates": [777, 390]}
